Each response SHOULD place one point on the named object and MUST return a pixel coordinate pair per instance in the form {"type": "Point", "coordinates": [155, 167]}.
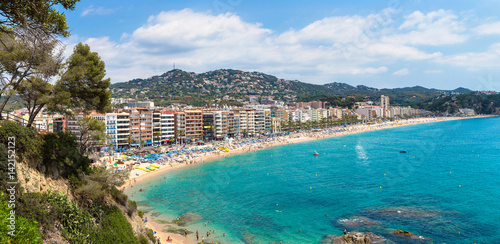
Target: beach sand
{"type": "Point", "coordinates": [294, 138]}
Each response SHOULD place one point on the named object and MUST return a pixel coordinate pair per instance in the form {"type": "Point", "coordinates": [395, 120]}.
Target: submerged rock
{"type": "Point", "coordinates": [354, 238]}
{"type": "Point", "coordinates": [408, 236]}
{"type": "Point", "coordinates": [403, 233]}
{"type": "Point", "coordinates": [356, 222]}
{"type": "Point", "coordinates": [401, 213]}
{"type": "Point", "coordinates": [186, 219]}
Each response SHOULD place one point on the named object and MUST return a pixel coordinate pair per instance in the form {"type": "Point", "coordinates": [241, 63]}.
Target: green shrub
{"type": "Point", "coordinates": [91, 190]}
{"type": "Point", "coordinates": [77, 223]}
{"type": "Point", "coordinates": [140, 213]}
{"type": "Point", "coordinates": [27, 143]}
{"type": "Point", "coordinates": [36, 206]}
{"type": "Point", "coordinates": [118, 195]}
{"type": "Point", "coordinates": [114, 228]}
{"type": "Point", "coordinates": [143, 240]}
{"type": "Point", "coordinates": [132, 207]}
{"type": "Point", "coordinates": [151, 235]}
{"type": "Point", "coordinates": [4, 166]}
{"type": "Point", "coordinates": [60, 149]}
{"type": "Point", "coordinates": [49, 208]}
{"type": "Point", "coordinates": [26, 231]}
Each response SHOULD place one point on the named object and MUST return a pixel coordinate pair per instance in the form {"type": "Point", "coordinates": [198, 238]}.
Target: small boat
{"type": "Point", "coordinates": [316, 153]}
{"type": "Point", "coordinates": [402, 151]}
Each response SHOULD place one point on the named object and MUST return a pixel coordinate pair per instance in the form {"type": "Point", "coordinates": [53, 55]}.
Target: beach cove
{"type": "Point", "coordinates": [207, 195]}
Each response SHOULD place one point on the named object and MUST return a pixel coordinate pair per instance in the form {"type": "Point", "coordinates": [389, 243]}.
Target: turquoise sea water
{"type": "Point", "coordinates": [448, 181]}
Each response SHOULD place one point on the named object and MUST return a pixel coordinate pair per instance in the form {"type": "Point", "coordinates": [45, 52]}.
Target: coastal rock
{"type": "Point", "coordinates": [186, 219]}
{"type": "Point", "coordinates": [408, 236]}
{"type": "Point", "coordinates": [33, 180]}
{"type": "Point", "coordinates": [355, 238]}
{"type": "Point", "coordinates": [403, 233]}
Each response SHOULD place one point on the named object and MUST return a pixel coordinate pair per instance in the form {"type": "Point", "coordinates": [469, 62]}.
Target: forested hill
{"type": "Point", "coordinates": [481, 103]}
{"type": "Point", "coordinates": [199, 89]}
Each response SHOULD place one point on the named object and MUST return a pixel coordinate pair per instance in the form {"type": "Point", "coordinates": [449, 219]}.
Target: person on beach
{"type": "Point", "coordinates": [185, 232]}
{"type": "Point", "coordinates": [197, 236]}
{"type": "Point", "coordinates": [345, 231]}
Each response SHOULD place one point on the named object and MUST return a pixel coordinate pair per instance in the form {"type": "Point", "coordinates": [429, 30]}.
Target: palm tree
{"type": "Point", "coordinates": [129, 141]}
{"type": "Point", "coordinates": [156, 135]}
{"type": "Point", "coordinates": [211, 128]}
{"type": "Point", "coordinates": [111, 145]}
{"type": "Point", "coordinates": [181, 133]}
{"type": "Point", "coordinates": [142, 143]}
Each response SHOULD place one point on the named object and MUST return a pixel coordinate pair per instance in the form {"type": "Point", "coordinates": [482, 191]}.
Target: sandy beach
{"type": "Point", "coordinates": [138, 175]}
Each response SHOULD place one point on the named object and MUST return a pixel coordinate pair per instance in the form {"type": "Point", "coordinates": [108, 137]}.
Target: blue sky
{"type": "Point", "coordinates": [384, 44]}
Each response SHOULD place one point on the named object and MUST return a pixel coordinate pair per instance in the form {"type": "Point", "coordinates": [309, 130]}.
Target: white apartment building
{"type": "Point", "coordinates": [167, 126]}
{"type": "Point", "coordinates": [220, 124]}
{"type": "Point", "coordinates": [267, 114]}
{"type": "Point", "coordinates": [111, 129]}
{"type": "Point", "coordinates": [260, 121]}
{"type": "Point", "coordinates": [122, 129]}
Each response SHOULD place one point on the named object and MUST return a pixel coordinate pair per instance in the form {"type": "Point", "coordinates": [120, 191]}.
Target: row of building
{"type": "Point", "coordinates": [143, 122]}
{"type": "Point", "coordinates": [368, 111]}
{"type": "Point", "coordinates": [130, 126]}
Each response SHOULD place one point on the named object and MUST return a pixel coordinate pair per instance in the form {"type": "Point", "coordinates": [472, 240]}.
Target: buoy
{"type": "Point", "coordinates": [316, 174]}
{"type": "Point", "coordinates": [459, 186]}
{"type": "Point", "coordinates": [385, 175]}
{"type": "Point", "coordinates": [310, 188]}
{"type": "Point", "coordinates": [267, 173]}
{"type": "Point", "coordinates": [380, 187]}
{"type": "Point", "coordinates": [450, 172]}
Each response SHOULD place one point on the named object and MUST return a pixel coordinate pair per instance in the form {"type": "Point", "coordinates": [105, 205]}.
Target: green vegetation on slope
{"type": "Point", "coordinates": [482, 104]}
{"type": "Point", "coordinates": [26, 231]}
{"type": "Point", "coordinates": [87, 219]}
{"type": "Point", "coordinates": [177, 86]}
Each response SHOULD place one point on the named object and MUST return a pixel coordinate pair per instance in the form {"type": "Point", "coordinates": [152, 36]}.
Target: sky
{"type": "Point", "coordinates": [383, 44]}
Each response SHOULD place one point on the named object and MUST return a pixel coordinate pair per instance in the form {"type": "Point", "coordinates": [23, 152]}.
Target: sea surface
{"type": "Point", "coordinates": [444, 189]}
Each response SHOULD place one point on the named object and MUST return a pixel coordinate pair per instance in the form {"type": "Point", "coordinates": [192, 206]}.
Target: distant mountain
{"type": "Point", "coordinates": [462, 90]}
{"type": "Point", "coordinates": [178, 86]}
{"type": "Point", "coordinates": [414, 88]}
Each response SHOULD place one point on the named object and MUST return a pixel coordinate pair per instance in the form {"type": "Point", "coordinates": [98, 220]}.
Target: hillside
{"type": "Point", "coordinates": [481, 103]}
{"type": "Point", "coordinates": [59, 196]}
{"type": "Point", "coordinates": [177, 86]}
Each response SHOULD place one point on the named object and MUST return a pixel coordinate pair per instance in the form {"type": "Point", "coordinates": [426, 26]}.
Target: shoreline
{"type": "Point", "coordinates": [291, 139]}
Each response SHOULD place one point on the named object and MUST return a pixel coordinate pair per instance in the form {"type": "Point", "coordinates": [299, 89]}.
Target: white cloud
{"type": "Point", "coordinates": [93, 10]}
{"type": "Point", "coordinates": [433, 71]}
{"type": "Point", "coordinates": [489, 28]}
{"type": "Point", "coordinates": [474, 60]}
{"type": "Point", "coordinates": [325, 49]}
{"type": "Point", "coordinates": [434, 28]}
{"type": "Point", "coordinates": [401, 72]}
{"type": "Point", "coordinates": [398, 51]}
{"type": "Point", "coordinates": [200, 42]}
